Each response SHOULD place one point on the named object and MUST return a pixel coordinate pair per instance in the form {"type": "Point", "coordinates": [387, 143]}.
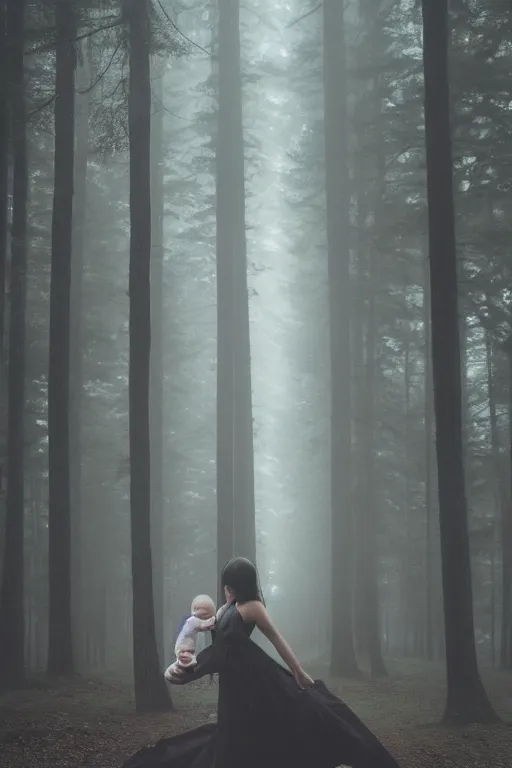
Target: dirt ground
{"type": "Point", "coordinates": [92, 723]}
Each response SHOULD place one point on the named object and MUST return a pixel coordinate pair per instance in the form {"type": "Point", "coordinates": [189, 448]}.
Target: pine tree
{"type": "Point", "coordinates": [343, 659]}
{"type": "Point", "coordinates": [12, 609]}
{"type": "Point", "coordinates": [60, 642]}
{"type": "Point", "coordinates": [150, 689]}
{"type": "Point", "coordinates": [467, 700]}
{"type": "Point", "coordinates": [235, 453]}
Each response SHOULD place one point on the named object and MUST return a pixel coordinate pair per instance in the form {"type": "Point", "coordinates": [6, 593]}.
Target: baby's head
{"type": "Point", "coordinates": [203, 607]}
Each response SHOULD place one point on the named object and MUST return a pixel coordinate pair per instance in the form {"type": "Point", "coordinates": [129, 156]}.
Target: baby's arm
{"type": "Point", "coordinates": [204, 625]}
{"type": "Point", "coordinates": [207, 664]}
{"type": "Point", "coordinates": [172, 671]}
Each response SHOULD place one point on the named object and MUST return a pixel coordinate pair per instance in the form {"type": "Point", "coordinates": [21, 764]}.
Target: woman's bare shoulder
{"type": "Point", "coordinates": [252, 611]}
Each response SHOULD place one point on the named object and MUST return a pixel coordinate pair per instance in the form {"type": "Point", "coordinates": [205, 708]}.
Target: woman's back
{"type": "Point", "coordinates": [267, 716]}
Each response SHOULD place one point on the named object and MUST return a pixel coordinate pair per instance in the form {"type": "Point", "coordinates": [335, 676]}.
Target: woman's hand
{"type": "Point", "coordinates": [176, 678]}
{"type": "Point", "coordinates": [174, 675]}
{"type": "Point", "coordinates": [302, 679]}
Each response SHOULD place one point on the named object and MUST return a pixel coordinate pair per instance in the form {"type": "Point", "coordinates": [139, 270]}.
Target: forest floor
{"type": "Point", "coordinates": [92, 723]}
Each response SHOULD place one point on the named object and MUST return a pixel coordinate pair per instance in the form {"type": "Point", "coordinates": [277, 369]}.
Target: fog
{"type": "Point", "coordinates": [290, 318]}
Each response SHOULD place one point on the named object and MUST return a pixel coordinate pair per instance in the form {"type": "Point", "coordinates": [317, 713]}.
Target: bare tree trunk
{"type": "Point", "coordinates": [467, 700]}
{"type": "Point", "coordinates": [76, 350]}
{"type": "Point", "coordinates": [368, 539]}
{"type": "Point", "coordinates": [60, 643]}
{"type": "Point", "coordinates": [359, 407]}
{"type": "Point", "coordinates": [408, 557]}
{"type": "Point", "coordinates": [492, 601]}
{"type": "Point", "coordinates": [39, 555]}
{"type": "Point", "coordinates": [466, 419]}
{"type": "Point", "coordinates": [157, 374]}
{"type": "Point", "coordinates": [343, 657]}
{"type": "Point", "coordinates": [236, 529]}
{"type": "Point", "coordinates": [500, 496]}
{"type": "Point", "coordinates": [150, 689]}
{"type": "Point", "coordinates": [429, 433]}
{"type": "Point", "coordinates": [12, 620]}
{"type": "Point", "coordinates": [4, 168]}
{"type": "Point", "coordinates": [225, 298]}
{"type": "Point", "coordinates": [506, 537]}
{"type": "Point", "coordinates": [358, 340]}
{"type": "Point", "coordinates": [243, 450]}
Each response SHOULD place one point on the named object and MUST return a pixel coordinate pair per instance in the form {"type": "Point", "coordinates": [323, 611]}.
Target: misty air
{"type": "Point", "coordinates": [255, 384]}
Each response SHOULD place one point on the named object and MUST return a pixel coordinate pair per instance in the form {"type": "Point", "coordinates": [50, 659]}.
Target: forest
{"type": "Point", "coordinates": [255, 301]}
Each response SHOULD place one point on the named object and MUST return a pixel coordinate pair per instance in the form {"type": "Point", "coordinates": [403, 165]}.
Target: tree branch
{"type": "Point", "coordinates": [41, 106]}
{"type": "Point", "coordinates": [304, 16]}
{"type": "Point", "coordinates": [103, 73]}
{"type": "Point", "coordinates": [48, 46]}
{"type": "Point", "coordinates": [171, 22]}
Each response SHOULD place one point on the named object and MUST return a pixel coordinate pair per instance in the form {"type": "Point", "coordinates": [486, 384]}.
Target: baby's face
{"type": "Point", "coordinates": [204, 611]}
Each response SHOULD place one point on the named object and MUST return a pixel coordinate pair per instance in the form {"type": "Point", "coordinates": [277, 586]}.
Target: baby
{"type": "Point", "coordinates": [202, 619]}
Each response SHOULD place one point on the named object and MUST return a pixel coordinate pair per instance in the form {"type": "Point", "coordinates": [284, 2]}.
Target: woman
{"type": "Point", "coordinates": [268, 717]}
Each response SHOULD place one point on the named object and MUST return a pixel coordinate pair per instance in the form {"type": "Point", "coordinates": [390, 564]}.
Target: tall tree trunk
{"type": "Point", "coordinates": [467, 700]}
{"type": "Point", "coordinates": [465, 411]}
{"type": "Point", "coordinates": [368, 540]}
{"type": "Point", "coordinates": [76, 349]}
{"type": "Point", "coordinates": [358, 344]}
{"type": "Point", "coordinates": [60, 640]}
{"type": "Point", "coordinates": [500, 497]}
{"type": "Point", "coordinates": [492, 599]}
{"type": "Point", "coordinates": [4, 168]}
{"type": "Point", "coordinates": [243, 444]}
{"type": "Point", "coordinates": [11, 596]}
{"type": "Point", "coordinates": [343, 657]}
{"type": "Point", "coordinates": [429, 508]}
{"type": "Point", "coordinates": [409, 585]}
{"type": "Point", "coordinates": [150, 689]}
{"type": "Point", "coordinates": [506, 537]}
{"type": "Point", "coordinates": [236, 529]}
{"type": "Point", "coordinates": [358, 327]}
{"type": "Point", "coordinates": [156, 410]}
{"type": "Point", "coordinates": [39, 556]}
{"type": "Point", "coordinates": [225, 299]}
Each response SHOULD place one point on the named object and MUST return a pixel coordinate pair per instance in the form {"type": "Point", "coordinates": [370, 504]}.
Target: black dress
{"type": "Point", "coordinates": [264, 719]}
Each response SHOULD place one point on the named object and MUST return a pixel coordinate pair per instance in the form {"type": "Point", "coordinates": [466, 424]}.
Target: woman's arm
{"type": "Point", "coordinates": [257, 613]}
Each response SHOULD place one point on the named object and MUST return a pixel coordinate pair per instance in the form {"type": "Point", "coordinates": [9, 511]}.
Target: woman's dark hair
{"type": "Point", "coordinates": [241, 576]}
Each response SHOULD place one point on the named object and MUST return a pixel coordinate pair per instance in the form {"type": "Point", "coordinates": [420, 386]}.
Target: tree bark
{"type": "Point", "coordinates": [408, 585]}
{"type": "Point", "coordinates": [358, 328]}
{"type": "Point", "coordinates": [500, 496]}
{"type": "Point", "coordinates": [429, 510]}
{"type": "Point", "coordinates": [156, 373]}
{"type": "Point", "coordinates": [368, 551]}
{"type": "Point", "coordinates": [466, 700]}
{"type": "Point", "coordinates": [60, 643]}
{"type": "Point", "coordinates": [150, 689]}
{"type": "Point", "coordinates": [4, 168]}
{"type": "Point", "coordinates": [236, 530]}
{"type": "Point", "coordinates": [506, 537]}
{"type": "Point", "coordinates": [12, 628]}
{"type": "Point", "coordinates": [76, 349]}
{"type": "Point", "coordinates": [225, 299]}
{"type": "Point", "coordinates": [359, 425]}
{"type": "Point", "coordinates": [343, 657]}
{"type": "Point", "coordinates": [243, 446]}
